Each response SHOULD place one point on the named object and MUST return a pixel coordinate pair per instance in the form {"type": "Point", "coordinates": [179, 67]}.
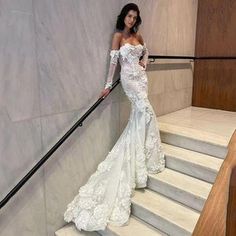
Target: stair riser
{"type": "Point", "coordinates": [176, 194]}
{"type": "Point", "coordinates": [191, 169]}
{"type": "Point", "coordinates": [194, 145]}
{"type": "Point", "coordinates": [72, 231]}
{"type": "Point", "coordinates": [107, 232]}
{"type": "Point", "coordinates": [158, 222]}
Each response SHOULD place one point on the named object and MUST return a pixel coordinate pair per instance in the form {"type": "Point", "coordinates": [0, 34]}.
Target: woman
{"type": "Point", "coordinates": [106, 197]}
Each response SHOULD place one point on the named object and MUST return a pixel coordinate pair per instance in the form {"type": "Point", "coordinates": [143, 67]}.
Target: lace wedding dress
{"type": "Point", "coordinates": [106, 197]}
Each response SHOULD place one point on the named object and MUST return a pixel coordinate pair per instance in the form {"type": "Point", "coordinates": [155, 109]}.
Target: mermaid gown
{"type": "Point", "coordinates": [106, 197]}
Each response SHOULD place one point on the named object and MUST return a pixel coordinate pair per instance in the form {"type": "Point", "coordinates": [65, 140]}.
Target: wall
{"type": "Point", "coordinates": [214, 80]}
{"type": "Point", "coordinates": [52, 69]}
{"type": "Point", "coordinates": [53, 64]}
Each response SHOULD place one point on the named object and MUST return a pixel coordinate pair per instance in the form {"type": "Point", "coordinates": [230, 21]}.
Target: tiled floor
{"type": "Point", "coordinates": [218, 122]}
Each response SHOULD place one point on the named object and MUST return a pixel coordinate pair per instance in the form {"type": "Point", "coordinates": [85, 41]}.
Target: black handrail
{"type": "Point", "coordinates": [193, 58]}
{"type": "Point", "coordinates": [80, 123]}
{"type": "Point", "coordinates": [53, 149]}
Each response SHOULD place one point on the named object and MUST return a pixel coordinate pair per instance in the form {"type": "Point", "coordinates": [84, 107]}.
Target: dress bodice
{"type": "Point", "coordinates": [129, 57]}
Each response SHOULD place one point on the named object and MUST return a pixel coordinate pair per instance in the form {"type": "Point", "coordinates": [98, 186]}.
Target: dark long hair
{"type": "Point", "coordinates": [120, 25]}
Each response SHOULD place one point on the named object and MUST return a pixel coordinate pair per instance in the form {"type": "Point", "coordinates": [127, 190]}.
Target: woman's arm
{"type": "Point", "coordinates": [114, 58]}
{"type": "Point", "coordinates": [114, 54]}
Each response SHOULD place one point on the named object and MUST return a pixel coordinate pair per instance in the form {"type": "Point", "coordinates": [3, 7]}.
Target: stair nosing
{"type": "Point", "coordinates": [217, 161]}
{"type": "Point", "coordinates": [135, 218]}
{"type": "Point", "coordinates": [204, 196]}
{"type": "Point", "coordinates": [189, 136]}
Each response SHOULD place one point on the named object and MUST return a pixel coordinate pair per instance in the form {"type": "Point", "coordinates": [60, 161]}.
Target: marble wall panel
{"type": "Point", "coordinates": [73, 39]}
{"type": "Point", "coordinates": [154, 27]}
{"type": "Point", "coordinates": [171, 101]}
{"type": "Point", "coordinates": [77, 159]}
{"type": "Point", "coordinates": [19, 91]}
{"type": "Point", "coordinates": [166, 77]}
{"type": "Point", "coordinates": [25, 213]}
{"type": "Point", "coordinates": [24, 6]}
{"type": "Point", "coordinates": [20, 149]}
{"type": "Point", "coordinates": [182, 17]}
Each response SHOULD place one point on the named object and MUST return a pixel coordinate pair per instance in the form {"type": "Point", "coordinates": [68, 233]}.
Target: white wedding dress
{"type": "Point", "coordinates": [106, 197]}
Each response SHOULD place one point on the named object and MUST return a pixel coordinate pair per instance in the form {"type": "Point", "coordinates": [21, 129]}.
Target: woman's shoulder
{"type": "Point", "coordinates": [117, 35]}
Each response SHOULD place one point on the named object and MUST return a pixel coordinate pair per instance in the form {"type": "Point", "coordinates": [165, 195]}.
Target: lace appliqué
{"type": "Point", "coordinates": [130, 53]}
{"type": "Point", "coordinates": [114, 56]}
{"type": "Point", "coordinates": [155, 158]}
{"type": "Point", "coordinates": [141, 171]}
{"type": "Point", "coordinates": [88, 209]}
{"type": "Point", "coordinates": [121, 211]}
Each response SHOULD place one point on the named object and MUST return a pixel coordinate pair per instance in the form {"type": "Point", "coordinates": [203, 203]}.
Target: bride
{"type": "Point", "coordinates": [106, 197]}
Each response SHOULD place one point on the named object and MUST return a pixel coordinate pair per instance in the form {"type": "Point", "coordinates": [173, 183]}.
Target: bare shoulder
{"type": "Point", "coordinates": [117, 36]}
{"type": "Point", "coordinates": [140, 38]}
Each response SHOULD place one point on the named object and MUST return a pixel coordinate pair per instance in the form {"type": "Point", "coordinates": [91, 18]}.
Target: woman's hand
{"type": "Point", "coordinates": [105, 92]}
{"type": "Point", "coordinates": [141, 63]}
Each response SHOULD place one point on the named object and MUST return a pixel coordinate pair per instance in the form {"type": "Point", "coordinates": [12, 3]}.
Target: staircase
{"type": "Point", "coordinates": [173, 200]}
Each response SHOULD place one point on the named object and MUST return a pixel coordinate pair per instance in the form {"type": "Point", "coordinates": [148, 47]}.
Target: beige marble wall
{"type": "Point", "coordinates": [54, 59]}
{"type": "Point", "coordinates": [53, 63]}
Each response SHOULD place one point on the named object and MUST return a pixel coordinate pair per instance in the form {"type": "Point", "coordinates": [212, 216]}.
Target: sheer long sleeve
{"type": "Point", "coordinates": [112, 67]}
{"type": "Point", "coordinates": [145, 55]}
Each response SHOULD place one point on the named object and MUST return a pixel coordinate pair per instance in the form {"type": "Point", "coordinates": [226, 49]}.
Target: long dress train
{"type": "Point", "coordinates": [106, 197]}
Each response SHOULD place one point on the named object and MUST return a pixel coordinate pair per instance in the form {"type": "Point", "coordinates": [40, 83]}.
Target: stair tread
{"type": "Point", "coordinates": [194, 134]}
{"type": "Point", "coordinates": [184, 182]}
{"type": "Point", "coordinates": [166, 208]}
{"type": "Point", "coordinates": [71, 230]}
{"type": "Point", "coordinates": [205, 160]}
{"type": "Point", "coordinates": [135, 227]}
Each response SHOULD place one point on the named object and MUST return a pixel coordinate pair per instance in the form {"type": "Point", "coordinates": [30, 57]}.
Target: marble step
{"type": "Point", "coordinates": [190, 191]}
{"type": "Point", "coordinates": [201, 166]}
{"type": "Point", "coordinates": [163, 213]}
{"type": "Point", "coordinates": [135, 227]}
{"type": "Point", "coordinates": [193, 139]}
{"type": "Point", "coordinates": [71, 230]}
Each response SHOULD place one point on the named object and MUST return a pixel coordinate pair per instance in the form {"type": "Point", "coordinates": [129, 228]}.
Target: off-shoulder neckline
{"type": "Point", "coordinates": [127, 44]}
{"type": "Point", "coordinates": [131, 45]}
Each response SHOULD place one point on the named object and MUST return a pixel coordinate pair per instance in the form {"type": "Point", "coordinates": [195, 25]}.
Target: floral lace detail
{"type": "Point", "coordinates": [154, 148]}
{"type": "Point", "coordinates": [87, 209]}
{"type": "Point", "coordinates": [106, 197]}
{"type": "Point", "coordinates": [114, 56]}
{"type": "Point", "coordinates": [131, 53]}
{"type": "Point", "coordinates": [121, 211]}
{"type": "Point", "coordinates": [141, 171]}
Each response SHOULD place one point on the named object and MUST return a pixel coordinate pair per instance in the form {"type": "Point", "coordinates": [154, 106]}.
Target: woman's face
{"type": "Point", "coordinates": [130, 19]}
